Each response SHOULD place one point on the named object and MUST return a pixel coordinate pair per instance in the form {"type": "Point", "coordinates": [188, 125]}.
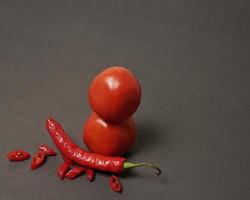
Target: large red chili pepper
{"type": "Point", "coordinates": [115, 184]}
{"type": "Point", "coordinates": [18, 155]}
{"type": "Point", "coordinates": [68, 161]}
{"type": "Point", "coordinates": [38, 159]}
{"type": "Point", "coordinates": [83, 158]}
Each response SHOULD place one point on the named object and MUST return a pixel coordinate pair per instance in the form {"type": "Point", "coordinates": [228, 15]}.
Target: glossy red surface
{"type": "Point", "coordinates": [107, 138]}
{"type": "Point", "coordinates": [18, 155]}
{"type": "Point", "coordinates": [63, 170]}
{"type": "Point", "coordinates": [115, 184]}
{"type": "Point", "coordinates": [38, 159]}
{"type": "Point", "coordinates": [75, 172]}
{"type": "Point", "coordinates": [114, 94]}
{"type": "Point", "coordinates": [90, 174]}
{"type": "Point", "coordinates": [47, 150]}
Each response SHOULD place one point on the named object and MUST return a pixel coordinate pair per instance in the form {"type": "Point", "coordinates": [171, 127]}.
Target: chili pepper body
{"type": "Point", "coordinates": [38, 159]}
{"type": "Point", "coordinates": [18, 155]}
{"type": "Point", "coordinates": [68, 161]}
{"type": "Point", "coordinates": [47, 150]}
{"type": "Point", "coordinates": [74, 154]}
{"type": "Point", "coordinates": [81, 157]}
{"type": "Point", "coordinates": [90, 174]}
{"type": "Point", "coordinates": [115, 184]}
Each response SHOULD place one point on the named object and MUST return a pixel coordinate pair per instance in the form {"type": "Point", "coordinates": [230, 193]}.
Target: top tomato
{"type": "Point", "coordinates": [115, 94]}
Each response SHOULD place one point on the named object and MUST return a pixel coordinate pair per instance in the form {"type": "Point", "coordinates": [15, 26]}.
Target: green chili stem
{"type": "Point", "coordinates": [128, 165]}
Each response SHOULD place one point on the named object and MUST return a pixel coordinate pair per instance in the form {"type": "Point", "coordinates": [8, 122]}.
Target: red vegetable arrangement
{"type": "Point", "coordinates": [114, 96]}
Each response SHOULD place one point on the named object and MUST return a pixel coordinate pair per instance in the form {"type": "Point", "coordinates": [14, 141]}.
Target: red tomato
{"type": "Point", "coordinates": [108, 138]}
{"type": "Point", "coordinates": [115, 94]}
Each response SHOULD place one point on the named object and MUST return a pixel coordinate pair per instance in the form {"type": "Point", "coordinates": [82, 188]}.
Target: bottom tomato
{"type": "Point", "coordinates": [109, 138]}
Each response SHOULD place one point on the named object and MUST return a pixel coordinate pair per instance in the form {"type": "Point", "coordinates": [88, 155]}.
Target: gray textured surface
{"type": "Point", "coordinates": [192, 59]}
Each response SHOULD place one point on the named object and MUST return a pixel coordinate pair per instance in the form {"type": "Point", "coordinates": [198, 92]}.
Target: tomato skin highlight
{"type": "Point", "coordinates": [114, 94]}
{"type": "Point", "coordinates": [108, 138]}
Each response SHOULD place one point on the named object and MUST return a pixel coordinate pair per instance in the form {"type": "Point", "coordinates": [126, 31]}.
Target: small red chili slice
{"type": "Point", "coordinates": [38, 159]}
{"type": "Point", "coordinates": [62, 170]}
{"type": "Point", "coordinates": [115, 184]}
{"type": "Point", "coordinates": [18, 155]}
{"type": "Point", "coordinates": [75, 172]}
{"type": "Point", "coordinates": [47, 150]}
{"type": "Point", "coordinates": [90, 174]}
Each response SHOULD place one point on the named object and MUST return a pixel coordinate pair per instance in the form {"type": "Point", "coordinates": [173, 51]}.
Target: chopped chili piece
{"type": "Point", "coordinates": [18, 155]}
{"type": "Point", "coordinates": [115, 184]}
{"type": "Point", "coordinates": [47, 150]}
{"type": "Point", "coordinates": [38, 159]}
{"type": "Point", "coordinates": [90, 174]}
{"type": "Point", "coordinates": [75, 172]}
{"type": "Point", "coordinates": [63, 169]}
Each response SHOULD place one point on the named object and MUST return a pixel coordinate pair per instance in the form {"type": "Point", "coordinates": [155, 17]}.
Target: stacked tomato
{"type": "Point", "coordinates": [114, 95]}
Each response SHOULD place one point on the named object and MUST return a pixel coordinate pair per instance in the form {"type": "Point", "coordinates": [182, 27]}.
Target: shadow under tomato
{"type": "Point", "coordinates": [148, 137]}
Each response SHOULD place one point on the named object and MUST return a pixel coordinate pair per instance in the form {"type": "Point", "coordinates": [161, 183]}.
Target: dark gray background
{"type": "Point", "coordinates": [192, 59]}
